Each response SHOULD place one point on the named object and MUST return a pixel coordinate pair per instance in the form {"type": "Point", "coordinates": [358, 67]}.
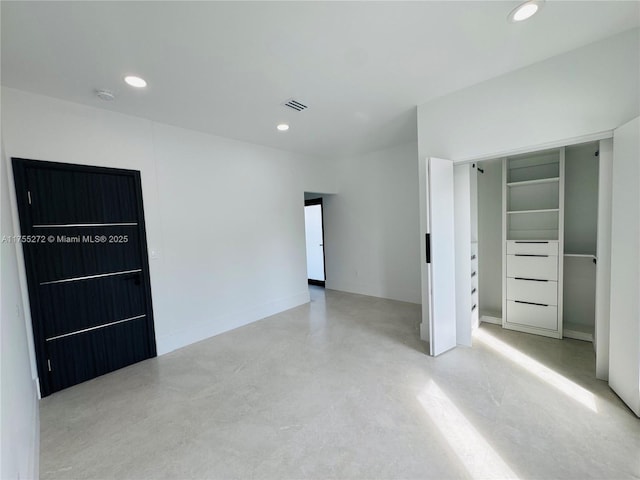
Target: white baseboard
{"type": "Point", "coordinates": [205, 329]}
{"type": "Point", "coordinates": [370, 291]}
{"type": "Point", "coordinates": [490, 319]}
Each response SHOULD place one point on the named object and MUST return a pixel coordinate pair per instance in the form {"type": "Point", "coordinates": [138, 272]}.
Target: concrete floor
{"type": "Point", "coordinates": [342, 388]}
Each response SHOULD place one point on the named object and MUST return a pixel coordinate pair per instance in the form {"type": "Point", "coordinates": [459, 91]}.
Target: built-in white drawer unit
{"type": "Point", "coordinates": [532, 247]}
{"type": "Point", "coordinates": [536, 291]}
{"type": "Point", "coordinates": [533, 216]}
{"type": "Point", "coordinates": [532, 315]}
{"type": "Point", "coordinates": [540, 267]}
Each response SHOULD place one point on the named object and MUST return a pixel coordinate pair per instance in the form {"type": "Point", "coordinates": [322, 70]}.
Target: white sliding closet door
{"type": "Point", "coordinates": [624, 341]}
{"type": "Point", "coordinates": [438, 267]}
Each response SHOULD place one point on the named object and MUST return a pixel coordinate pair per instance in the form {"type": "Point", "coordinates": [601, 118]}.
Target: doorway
{"type": "Point", "coordinates": [87, 269]}
{"type": "Point", "coordinates": [314, 234]}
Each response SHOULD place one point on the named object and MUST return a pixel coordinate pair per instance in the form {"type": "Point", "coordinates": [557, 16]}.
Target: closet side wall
{"type": "Point", "coordinates": [581, 199]}
{"type": "Point", "coordinates": [603, 273]}
{"type": "Point", "coordinates": [580, 237]}
{"type": "Point", "coordinates": [490, 238]}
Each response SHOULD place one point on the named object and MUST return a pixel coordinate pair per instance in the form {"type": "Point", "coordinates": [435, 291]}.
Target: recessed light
{"type": "Point", "coordinates": [283, 127]}
{"type": "Point", "coordinates": [135, 81]}
{"type": "Point", "coordinates": [525, 10]}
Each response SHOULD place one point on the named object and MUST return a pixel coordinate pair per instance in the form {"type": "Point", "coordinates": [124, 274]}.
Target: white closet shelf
{"type": "Point", "coordinates": [533, 182]}
{"type": "Point", "coordinates": [542, 210]}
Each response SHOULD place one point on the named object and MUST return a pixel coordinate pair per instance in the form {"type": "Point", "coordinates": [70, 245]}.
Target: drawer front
{"type": "Point", "coordinates": [532, 248]}
{"type": "Point", "coordinates": [541, 268]}
{"type": "Point", "coordinates": [532, 315]}
{"type": "Point", "coordinates": [532, 291]}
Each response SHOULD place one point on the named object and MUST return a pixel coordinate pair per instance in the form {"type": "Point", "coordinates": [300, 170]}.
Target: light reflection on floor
{"type": "Point", "coordinates": [563, 384]}
{"type": "Point", "coordinates": [474, 452]}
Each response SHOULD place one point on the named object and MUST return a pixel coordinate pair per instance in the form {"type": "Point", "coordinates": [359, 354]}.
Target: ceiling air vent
{"type": "Point", "coordinates": [295, 105]}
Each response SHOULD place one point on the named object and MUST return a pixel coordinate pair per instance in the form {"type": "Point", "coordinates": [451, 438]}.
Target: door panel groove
{"type": "Point", "coordinates": [95, 328]}
{"type": "Point", "coordinates": [78, 225]}
{"type": "Point", "coordinates": [90, 277]}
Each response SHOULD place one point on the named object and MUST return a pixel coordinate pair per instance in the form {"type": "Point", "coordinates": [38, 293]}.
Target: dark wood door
{"type": "Point", "coordinates": [87, 270]}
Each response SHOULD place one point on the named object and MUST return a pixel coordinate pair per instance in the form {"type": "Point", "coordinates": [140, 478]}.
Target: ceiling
{"type": "Point", "coordinates": [226, 67]}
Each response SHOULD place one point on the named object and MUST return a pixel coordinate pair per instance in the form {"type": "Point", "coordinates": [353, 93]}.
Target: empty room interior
{"type": "Point", "coordinates": [320, 240]}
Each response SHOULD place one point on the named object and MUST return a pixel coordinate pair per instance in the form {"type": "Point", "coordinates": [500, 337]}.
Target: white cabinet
{"type": "Point", "coordinates": [551, 201]}
{"type": "Point", "coordinates": [531, 295]}
{"type": "Point", "coordinates": [533, 188]}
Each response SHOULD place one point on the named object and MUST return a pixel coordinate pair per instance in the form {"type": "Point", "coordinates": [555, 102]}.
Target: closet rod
{"type": "Point", "coordinates": [478, 168]}
{"type": "Point", "coordinates": [581, 255]}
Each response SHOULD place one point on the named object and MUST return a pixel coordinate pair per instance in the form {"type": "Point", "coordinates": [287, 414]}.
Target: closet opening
{"type": "Point", "coordinates": [580, 241]}
{"type": "Point", "coordinates": [489, 214]}
{"type": "Point", "coordinates": [543, 260]}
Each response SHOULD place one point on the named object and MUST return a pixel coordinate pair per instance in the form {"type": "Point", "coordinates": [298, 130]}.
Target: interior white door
{"type": "Point", "coordinates": [440, 256]}
{"type": "Point", "coordinates": [624, 338]}
{"type": "Point", "coordinates": [315, 242]}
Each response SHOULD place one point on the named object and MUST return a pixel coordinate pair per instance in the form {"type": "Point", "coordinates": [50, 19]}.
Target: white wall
{"type": "Point", "coordinates": [588, 90]}
{"type": "Point", "coordinates": [19, 415]}
{"type": "Point", "coordinates": [490, 238]}
{"type": "Point", "coordinates": [371, 225]}
{"type": "Point", "coordinates": [225, 219]}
